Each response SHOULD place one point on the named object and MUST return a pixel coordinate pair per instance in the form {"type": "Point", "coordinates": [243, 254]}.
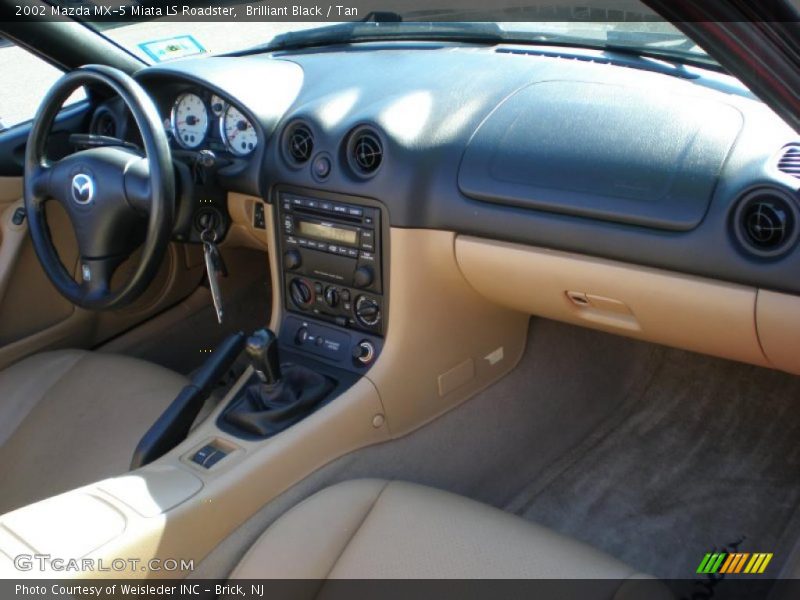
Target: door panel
{"type": "Point", "coordinates": [30, 304]}
{"type": "Point", "coordinates": [35, 317]}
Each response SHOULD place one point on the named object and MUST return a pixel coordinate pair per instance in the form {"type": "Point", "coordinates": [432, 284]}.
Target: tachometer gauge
{"type": "Point", "coordinates": [217, 105]}
{"type": "Point", "coordinates": [238, 133]}
{"type": "Point", "coordinates": [189, 120]}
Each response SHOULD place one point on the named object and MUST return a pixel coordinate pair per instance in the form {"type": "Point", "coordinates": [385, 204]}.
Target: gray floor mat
{"type": "Point", "coordinates": [708, 455]}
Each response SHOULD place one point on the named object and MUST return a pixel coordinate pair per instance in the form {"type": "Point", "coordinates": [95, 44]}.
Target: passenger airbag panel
{"type": "Point", "coordinates": [612, 152]}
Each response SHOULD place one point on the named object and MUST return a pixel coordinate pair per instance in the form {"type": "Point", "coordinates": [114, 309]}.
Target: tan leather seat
{"type": "Point", "coordinates": [71, 417]}
{"type": "Point", "coordinates": [395, 530]}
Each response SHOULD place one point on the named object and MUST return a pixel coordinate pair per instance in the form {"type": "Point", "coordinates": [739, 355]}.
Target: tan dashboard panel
{"type": "Point", "coordinates": [444, 341]}
{"type": "Point", "coordinates": [778, 321]}
{"type": "Point", "coordinates": [692, 313]}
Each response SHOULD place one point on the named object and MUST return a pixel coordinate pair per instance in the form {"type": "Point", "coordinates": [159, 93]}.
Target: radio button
{"type": "Point", "coordinates": [367, 245]}
{"type": "Point", "coordinates": [327, 206]}
{"type": "Point", "coordinates": [338, 208]}
{"type": "Point", "coordinates": [352, 252]}
{"type": "Point", "coordinates": [363, 276]}
{"type": "Point", "coordinates": [343, 251]}
{"type": "Point", "coordinates": [291, 240]}
{"type": "Point", "coordinates": [303, 242]}
{"type": "Point", "coordinates": [291, 259]}
{"type": "Point", "coordinates": [355, 211]}
{"type": "Point", "coordinates": [365, 255]}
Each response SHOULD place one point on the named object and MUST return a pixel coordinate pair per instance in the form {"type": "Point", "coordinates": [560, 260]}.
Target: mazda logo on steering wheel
{"type": "Point", "coordinates": [82, 188]}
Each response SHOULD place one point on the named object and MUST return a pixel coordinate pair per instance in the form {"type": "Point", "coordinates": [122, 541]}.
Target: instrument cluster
{"type": "Point", "coordinates": [201, 119]}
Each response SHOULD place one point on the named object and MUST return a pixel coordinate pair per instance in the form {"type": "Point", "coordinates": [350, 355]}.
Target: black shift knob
{"type": "Point", "coordinates": [262, 348]}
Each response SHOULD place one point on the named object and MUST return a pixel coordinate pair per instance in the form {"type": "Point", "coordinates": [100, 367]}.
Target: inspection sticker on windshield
{"type": "Point", "coordinates": [171, 48]}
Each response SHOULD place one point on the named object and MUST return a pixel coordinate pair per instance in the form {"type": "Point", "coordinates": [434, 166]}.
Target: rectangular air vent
{"type": "Point", "coordinates": [789, 162]}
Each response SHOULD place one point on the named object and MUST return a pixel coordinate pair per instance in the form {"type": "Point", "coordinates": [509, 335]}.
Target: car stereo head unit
{"type": "Point", "coordinates": [332, 260]}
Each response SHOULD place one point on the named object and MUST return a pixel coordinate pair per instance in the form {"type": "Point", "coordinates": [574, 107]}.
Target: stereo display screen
{"type": "Point", "coordinates": [328, 233]}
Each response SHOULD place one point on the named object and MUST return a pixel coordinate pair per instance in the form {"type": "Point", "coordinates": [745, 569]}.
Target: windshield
{"type": "Point", "coordinates": [163, 39]}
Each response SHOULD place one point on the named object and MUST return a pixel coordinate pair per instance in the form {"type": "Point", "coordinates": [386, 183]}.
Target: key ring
{"type": "Point", "coordinates": [208, 236]}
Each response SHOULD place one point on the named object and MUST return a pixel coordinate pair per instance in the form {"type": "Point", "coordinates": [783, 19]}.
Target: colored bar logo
{"type": "Point", "coordinates": [734, 564]}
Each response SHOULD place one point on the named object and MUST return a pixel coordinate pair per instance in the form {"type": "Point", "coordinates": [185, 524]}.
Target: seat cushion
{"type": "Point", "coordinates": [71, 417]}
{"type": "Point", "coordinates": [396, 530]}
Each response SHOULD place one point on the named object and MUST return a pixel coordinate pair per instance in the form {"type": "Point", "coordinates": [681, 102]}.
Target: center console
{"type": "Point", "coordinates": [333, 279]}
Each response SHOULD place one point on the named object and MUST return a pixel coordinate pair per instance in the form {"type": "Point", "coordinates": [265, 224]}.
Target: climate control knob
{"type": "Point", "coordinates": [363, 277]}
{"type": "Point", "coordinates": [368, 311]}
{"type": "Point", "coordinates": [291, 259]}
{"type": "Point", "coordinates": [332, 297]}
{"type": "Point", "coordinates": [301, 293]}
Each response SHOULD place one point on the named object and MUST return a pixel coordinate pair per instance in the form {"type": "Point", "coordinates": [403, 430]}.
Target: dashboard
{"type": "Point", "coordinates": [614, 157]}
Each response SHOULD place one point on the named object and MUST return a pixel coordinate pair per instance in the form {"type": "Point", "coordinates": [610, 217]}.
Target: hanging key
{"type": "Point", "coordinates": [215, 268]}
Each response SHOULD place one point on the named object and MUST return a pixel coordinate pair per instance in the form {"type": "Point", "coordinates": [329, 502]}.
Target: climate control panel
{"type": "Point", "coordinates": [344, 306]}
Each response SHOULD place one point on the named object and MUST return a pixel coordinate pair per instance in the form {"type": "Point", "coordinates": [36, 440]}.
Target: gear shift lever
{"type": "Point", "coordinates": [282, 397]}
{"type": "Point", "coordinates": [262, 349]}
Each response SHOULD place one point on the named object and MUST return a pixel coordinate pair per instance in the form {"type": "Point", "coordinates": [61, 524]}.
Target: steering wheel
{"type": "Point", "coordinates": [116, 199]}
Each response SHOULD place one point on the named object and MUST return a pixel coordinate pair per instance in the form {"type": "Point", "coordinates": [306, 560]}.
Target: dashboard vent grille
{"type": "Point", "coordinates": [365, 152]}
{"type": "Point", "coordinates": [789, 162]}
{"type": "Point", "coordinates": [592, 56]}
{"type": "Point", "coordinates": [300, 144]}
{"type": "Point", "coordinates": [765, 223]}
{"type": "Point", "coordinates": [106, 125]}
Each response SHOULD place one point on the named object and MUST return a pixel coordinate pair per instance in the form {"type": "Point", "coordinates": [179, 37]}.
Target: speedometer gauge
{"type": "Point", "coordinates": [238, 133]}
{"type": "Point", "coordinates": [189, 120]}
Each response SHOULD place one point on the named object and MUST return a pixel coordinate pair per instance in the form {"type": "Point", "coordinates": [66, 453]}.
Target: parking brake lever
{"type": "Point", "coordinates": [175, 422]}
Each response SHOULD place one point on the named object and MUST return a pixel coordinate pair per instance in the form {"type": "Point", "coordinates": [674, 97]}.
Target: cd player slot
{"type": "Point", "coordinates": [321, 214]}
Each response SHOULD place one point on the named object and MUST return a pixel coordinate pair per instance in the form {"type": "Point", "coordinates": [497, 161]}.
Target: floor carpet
{"type": "Point", "coordinates": [706, 458]}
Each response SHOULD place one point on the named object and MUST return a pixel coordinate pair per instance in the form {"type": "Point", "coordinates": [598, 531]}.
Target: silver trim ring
{"type": "Point", "coordinates": [173, 124]}
{"type": "Point", "coordinates": [223, 134]}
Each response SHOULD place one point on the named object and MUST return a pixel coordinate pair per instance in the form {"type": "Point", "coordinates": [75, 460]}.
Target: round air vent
{"type": "Point", "coordinates": [765, 222]}
{"type": "Point", "coordinates": [364, 152]}
{"type": "Point", "coordinates": [299, 144]}
{"type": "Point", "coordinates": [104, 123]}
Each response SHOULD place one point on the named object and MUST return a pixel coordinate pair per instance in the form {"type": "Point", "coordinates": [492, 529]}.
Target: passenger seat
{"type": "Point", "coordinates": [373, 529]}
